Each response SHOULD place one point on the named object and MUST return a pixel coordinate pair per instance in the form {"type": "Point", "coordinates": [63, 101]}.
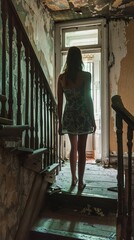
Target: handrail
{"type": "Point", "coordinates": [26, 42]}
{"type": "Point", "coordinates": [30, 100]}
{"type": "Point", "coordinates": [118, 106]}
{"type": "Point", "coordinates": [125, 215]}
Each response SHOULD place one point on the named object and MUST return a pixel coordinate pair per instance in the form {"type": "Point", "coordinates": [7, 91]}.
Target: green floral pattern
{"type": "Point", "coordinates": [76, 116]}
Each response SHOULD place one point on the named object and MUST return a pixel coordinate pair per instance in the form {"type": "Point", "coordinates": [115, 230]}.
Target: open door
{"type": "Point", "coordinates": [88, 37]}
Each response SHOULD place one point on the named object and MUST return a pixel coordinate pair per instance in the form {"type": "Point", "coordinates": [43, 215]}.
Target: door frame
{"type": "Point", "coordinates": [104, 73]}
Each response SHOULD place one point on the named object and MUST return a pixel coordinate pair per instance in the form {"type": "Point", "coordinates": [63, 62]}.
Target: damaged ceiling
{"type": "Point", "coordinates": [63, 10]}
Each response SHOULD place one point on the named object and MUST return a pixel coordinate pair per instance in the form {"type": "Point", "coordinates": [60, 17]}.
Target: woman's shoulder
{"type": "Point", "coordinates": [86, 75]}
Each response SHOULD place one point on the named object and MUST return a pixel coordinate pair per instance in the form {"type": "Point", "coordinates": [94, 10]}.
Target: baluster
{"type": "Point", "coordinates": [41, 117]}
{"type": "Point", "coordinates": [51, 136]}
{"type": "Point", "coordinates": [48, 129]}
{"type": "Point", "coordinates": [27, 97]}
{"type": "Point", "coordinates": [36, 109]}
{"type": "Point", "coordinates": [4, 20]}
{"type": "Point", "coordinates": [45, 122]}
{"type": "Point", "coordinates": [56, 134]}
{"type": "Point", "coordinates": [32, 105]}
{"type": "Point", "coordinates": [129, 186]}
{"type": "Point", "coordinates": [19, 45]}
{"type": "Point", "coordinates": [44, 127]}
{"type": "Point", "coordinates": [120, 223]}
{"type": "Point", "coordinates": [10, 101]}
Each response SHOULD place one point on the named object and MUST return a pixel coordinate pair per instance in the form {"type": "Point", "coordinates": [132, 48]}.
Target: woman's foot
{"type": "Point", "coordinates": [81, 186]}
{"type": "Point", "coordinates": [74, 182]}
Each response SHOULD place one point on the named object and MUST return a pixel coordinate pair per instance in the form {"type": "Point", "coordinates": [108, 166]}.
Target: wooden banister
{"type": "Point", "coordinates": [118, 106]}
{"type": "Point", "coordinates": [125, 214]}
{"type": "Point", "coordinates": [26, 97]}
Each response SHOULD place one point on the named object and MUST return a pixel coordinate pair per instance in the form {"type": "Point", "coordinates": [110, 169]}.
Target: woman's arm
{"type": "Point", "coordinates": [60, 103]}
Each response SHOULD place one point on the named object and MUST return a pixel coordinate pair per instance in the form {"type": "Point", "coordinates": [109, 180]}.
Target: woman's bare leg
{"type": "Point", "coordinates": [73, 157]}
{"type": "Point", "coordinates": [82, 139]}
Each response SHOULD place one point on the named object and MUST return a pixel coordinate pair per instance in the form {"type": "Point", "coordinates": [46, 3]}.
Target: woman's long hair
{"type": "Point", "coordinates": [74, 64]}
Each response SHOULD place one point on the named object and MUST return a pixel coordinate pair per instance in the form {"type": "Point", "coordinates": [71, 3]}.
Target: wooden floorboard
{"type": "Point", "coordinates": [97, 178]}
{"type": "Point", "coordinates": [89, 215]}
{"type": "Point", "coordinates": [76, 225]}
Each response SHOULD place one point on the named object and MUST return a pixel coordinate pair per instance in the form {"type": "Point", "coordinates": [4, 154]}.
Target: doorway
{"type": "Point", "coordinates": [88, 37]}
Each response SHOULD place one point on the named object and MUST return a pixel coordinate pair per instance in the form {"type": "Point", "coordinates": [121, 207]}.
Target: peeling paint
{"type": "Point", "coordinates": [117, 47]}
{"type": "Point", "coordinates": [118, 50]}
{"type": "Point", "coordinates": [40, 29]}
{"type": "Point", "coordinates": [99, 8]}
{"type": "Point", "coordinates": [116, 3]}
{"type": "Point", "coordinates": [121, 73]}
{"type": "Point", "coordinates": [56, 5]}
{"type": "Point", "coordinates": [15, 184]}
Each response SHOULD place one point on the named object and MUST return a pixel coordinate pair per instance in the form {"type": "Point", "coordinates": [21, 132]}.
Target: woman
{"type": "Point", "coordinates": [77, 120]}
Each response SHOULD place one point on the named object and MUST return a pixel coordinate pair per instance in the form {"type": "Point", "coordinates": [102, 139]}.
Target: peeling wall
{"type": "Point", "coordinates": [121, 73]}
{"type": "Point", "coordinates": [15, 182]}
{"type": "Point", "coordinates": [39, 27]}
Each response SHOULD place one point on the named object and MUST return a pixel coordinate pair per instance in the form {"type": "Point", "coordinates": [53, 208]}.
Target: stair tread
{"type": "Point", "coordinates": [40, 151]}
{"type": "Point", "coordinates": [88, 215]}
{"type": "Point", "coordinates": [72, 222]}
{"type": "Point", "coordinates": [6, 121]}
{"type": "Point", "coordinates": [15, 127]}
{"type": "Point", "coordinates": [12, 130]}
{"type": "Point", "coordinates": [57, 197]}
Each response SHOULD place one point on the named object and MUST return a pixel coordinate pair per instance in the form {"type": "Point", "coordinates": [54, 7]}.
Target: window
{"type": "Point", "coordinates": [81, 37]}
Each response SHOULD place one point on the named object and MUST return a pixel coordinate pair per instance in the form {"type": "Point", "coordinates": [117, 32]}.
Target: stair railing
{"type": "Point", "coordinates": [125, 212]}
{"type": "Point", "coordinates": [29, 99]}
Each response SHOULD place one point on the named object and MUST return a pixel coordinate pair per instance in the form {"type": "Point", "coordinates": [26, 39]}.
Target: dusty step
{"type": "Point", "coordinates": [12, 130]}
{"type": "Point", "coordinates": [6, 121]}
{"type": "Point", "coordinates": [96, 193]}
{"type": "Point", "coordinates": [58, 198]}
{"type": "Point", "coordinates": [72, 223]}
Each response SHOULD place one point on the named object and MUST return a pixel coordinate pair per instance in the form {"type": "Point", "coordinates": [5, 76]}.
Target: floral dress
{"type": "Point", "coordinates": [76, 116]}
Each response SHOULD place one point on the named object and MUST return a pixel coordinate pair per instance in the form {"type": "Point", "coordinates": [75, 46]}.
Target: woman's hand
{"type": "Point", "coordinates": [94, 126]}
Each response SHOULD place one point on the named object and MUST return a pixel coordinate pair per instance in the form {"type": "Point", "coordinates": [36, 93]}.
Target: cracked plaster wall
{"type": "Point", "coordinates": [121, 72]}
{"type": "Point", "coordinates": [39, 27]}
{"type": "Point", "coordinates": [15, 182]}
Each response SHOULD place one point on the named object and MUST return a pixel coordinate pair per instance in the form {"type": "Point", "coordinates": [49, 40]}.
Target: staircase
{"type": "Point", "coordinates": [68, 214]}
{"type": "Point", "coordinates": [28, 128]}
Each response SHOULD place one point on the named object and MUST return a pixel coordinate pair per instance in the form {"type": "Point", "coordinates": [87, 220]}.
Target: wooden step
{"type": "Point", "coordinates": [11, 131]}
{"type": "Point", "coordinates": [73, 223]}
{"type": "Point", "coordinates": [58, 198]}
{"type": "Point", "coordinates": [23, 150]}
{"type": "Point", "coordinates": [33, 160]}
{"type": "Point", "coordinates": [6, 121]}
{"type": "Point", "coordinates": [36, 153]}
{"type": "Point", "coordinates": [89, 215]}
